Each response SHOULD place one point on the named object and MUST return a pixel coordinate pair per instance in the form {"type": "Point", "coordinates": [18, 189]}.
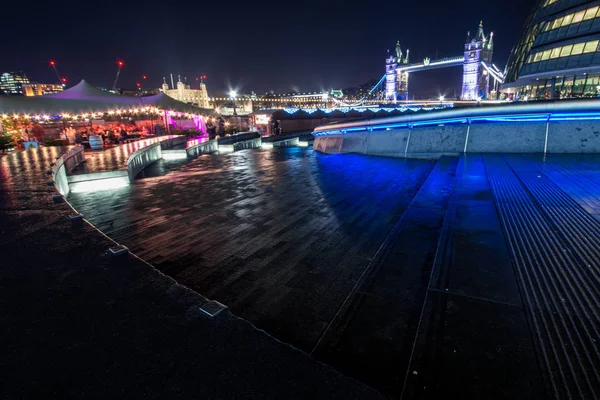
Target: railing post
{"type": "Point", "coordinates": [467, 137]}
{"type": "Point", "coordinates": [547, 130]}
{"type": "Point", "coordinates": [410, 128]}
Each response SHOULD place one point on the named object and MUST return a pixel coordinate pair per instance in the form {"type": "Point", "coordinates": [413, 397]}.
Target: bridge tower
{"type": "Point", "coordinates": [396, 82]}
{"type": "Point", "coordinates": [390, 77]}
{"type": "Point", "coordinates": [476, 80]}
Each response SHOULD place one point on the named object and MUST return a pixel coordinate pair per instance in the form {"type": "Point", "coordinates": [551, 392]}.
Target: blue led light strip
{"type": "Point", "coordinates": [581, 116]}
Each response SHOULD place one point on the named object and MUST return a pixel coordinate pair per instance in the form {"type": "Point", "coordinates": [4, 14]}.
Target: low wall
{"type": "Point", "coordinates": [172, 142]}
{"type": "Point", "coordinates": [247, 144]}
{"type": "Point", "coordinates": [437, 141]}
{"type": "Point", "coordinates": [203, 148]}
{"type": "Point", "coordinates": [568, 127]}
{"type": "Point", "coordinates": [240, 137]}
{"type": "Point", "coordinates": [64, 165]}
{"type": "Point", "coordinates": [142, 158]}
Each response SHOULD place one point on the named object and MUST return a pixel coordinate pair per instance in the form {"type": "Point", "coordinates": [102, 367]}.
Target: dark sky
{"type": "Point", "coordinates": [270, 45]}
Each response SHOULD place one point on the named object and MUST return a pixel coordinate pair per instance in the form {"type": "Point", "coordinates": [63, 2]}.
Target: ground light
{"type": "Point", "coordinates": [98, 185]}
{"type": "Point", "coordinates": [226, 148]}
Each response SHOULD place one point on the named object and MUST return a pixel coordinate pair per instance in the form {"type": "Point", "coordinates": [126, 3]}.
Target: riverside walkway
{"type": "Point", "coordinates": [79, 323]}
{"type": "Point", "coordinates": [469, 277]}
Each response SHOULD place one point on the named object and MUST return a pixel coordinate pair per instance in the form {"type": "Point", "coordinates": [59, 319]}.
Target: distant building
{"type": "Point", "coordinates": [184, 93]}
{"type": "Point", "coordinates": [11, 83]}
{"type": "Point", "coordinates": [558, 53]}
{"type": "Point", "coordinates": [40, 89]}
{"type": "Point", "coordinates": [253, 102]}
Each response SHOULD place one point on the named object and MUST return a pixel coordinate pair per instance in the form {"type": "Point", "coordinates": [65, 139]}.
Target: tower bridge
{"type": "Point", "coordinates": [476, 61]}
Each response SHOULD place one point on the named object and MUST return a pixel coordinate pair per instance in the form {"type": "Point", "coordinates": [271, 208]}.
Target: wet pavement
{"type": "Point", "coordinates": [78, 323]}
{"type": "Point", "coordinates": [472, 277]}
{"type": "Point", "coordinates": [468, 277]}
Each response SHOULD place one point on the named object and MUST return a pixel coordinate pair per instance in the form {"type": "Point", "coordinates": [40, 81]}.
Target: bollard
{"type": "Point", "coordinates": [57, 198]}
{"type": "Point", "coordinates": [212, 308]}
{"type": "Point", "coordinates": [49, 172]}
{"type": "Point", "coordinates": [118, 250]}
{"type": "Point", "coordinates": [50, 182]}
{"type": "Point", "coordinates": [76, 217]}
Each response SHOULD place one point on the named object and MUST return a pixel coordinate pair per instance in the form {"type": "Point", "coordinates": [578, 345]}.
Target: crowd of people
{"type": "Point", "coordinates": [111, 134]}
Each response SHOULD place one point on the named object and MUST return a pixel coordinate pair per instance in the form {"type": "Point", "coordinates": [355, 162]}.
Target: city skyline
{"type": "Point", "coordinates": [273, 49]}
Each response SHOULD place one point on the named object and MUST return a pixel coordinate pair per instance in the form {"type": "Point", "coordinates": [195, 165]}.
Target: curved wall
{"type": "Point", "coordinates": [64, 165]}
{"type": "Point", "coordinates": [557, 127]}
{"type": "Point", "coordinates": [142, 158]}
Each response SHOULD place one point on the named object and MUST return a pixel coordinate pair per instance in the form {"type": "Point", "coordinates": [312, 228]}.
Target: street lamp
{"type": "Point", "coordinates": [233, 95]}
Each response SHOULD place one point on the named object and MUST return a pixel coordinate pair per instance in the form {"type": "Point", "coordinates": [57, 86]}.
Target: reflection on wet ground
{"type": "Point", "coordinates": [470, 277]}
{"type": "Point", "coordinates": [111, 159]}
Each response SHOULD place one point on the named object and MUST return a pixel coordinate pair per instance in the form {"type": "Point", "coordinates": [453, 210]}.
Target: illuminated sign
{"type": "Point", "coordinates": [262, 119]}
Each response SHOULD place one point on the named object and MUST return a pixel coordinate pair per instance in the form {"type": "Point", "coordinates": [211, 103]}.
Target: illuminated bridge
{"type": "Point", "coordinates": [478, 69]}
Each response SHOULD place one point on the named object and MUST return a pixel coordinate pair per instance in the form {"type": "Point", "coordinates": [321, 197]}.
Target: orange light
{"type": "Point", "coordinates": [120, 63]}
{"type": "Point", "coordinates": [138, 85]}
{"type": "Point", "coordinates": [52, 63]}
{"type": "Point", "coordinates": [64, 80]}
{"type": "Point", "coordinates": [144, 77]}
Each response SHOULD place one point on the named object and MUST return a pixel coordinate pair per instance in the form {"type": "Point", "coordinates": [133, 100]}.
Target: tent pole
{"type": "Point", "coordinates": [167, 125]}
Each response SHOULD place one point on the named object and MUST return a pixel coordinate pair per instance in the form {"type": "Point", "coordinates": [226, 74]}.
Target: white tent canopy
{"type": "Point", "coordinates": [85, 98]}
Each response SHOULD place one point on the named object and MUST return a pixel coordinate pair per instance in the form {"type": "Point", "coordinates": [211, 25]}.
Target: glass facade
{"type": "Point", "coordinates": [11, 83]}
{"type": "Point", "coordinates": [558, 53]}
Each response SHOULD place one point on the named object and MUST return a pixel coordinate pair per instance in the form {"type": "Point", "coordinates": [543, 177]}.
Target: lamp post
{"type": "Point", "coordinates": [441, 100]}
{"type": "Point", "coordinates": [233, 95]}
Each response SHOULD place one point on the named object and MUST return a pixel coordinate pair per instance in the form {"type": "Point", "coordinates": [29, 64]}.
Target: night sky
{"type": "Point", "coordinates": [261, 46]}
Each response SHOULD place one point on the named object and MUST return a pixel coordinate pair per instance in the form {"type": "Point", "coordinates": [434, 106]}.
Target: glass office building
{"type": "Point", "coordinates": [11, 83]}
{"type": "Point", "coordinates": [558, 54]}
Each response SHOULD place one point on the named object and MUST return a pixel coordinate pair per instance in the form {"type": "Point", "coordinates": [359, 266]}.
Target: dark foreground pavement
{"type": "Point", "coordinates": [472, 277]}
{"type": "Point", "coordinates": [78, 323]}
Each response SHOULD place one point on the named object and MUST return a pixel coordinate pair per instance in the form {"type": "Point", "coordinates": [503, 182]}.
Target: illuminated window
{"type": "Point", "coordinates": [574, 18]}
{"type": "Point", "coordinates": [538, 57]}
{"type": "Point", "coordinates": [553, 24]}
{"type": "Point", "coordinates": [577, 49]}
{"type": "Point", "coordinates": [591, 47]}
{"type": "Point", "coordinates": [567, 20]}
{"type": "Point", "coordinates": [566, 50]}
{"type": "Point", "coordinates": [591, 13]}
{"type": "Point", "coordinates": [578, 17]}
{"type": "Point", "coordinates": [545, 55]}
{"type": "Point", "coordinates": [555, 53]}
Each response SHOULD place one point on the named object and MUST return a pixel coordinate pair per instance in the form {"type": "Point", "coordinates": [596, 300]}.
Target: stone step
{"type": "Point", "coordinates": [371, 337]}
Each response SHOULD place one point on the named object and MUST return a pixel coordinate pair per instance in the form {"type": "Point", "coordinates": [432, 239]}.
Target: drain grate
{"type": "Point", "coordinates": [212, 308]}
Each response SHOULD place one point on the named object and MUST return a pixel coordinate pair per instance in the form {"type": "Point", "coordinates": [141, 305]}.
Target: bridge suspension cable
{"type": "Point", "coordinates": [494, 72]}
{"type": "Point", "coordinates": [361, 101]}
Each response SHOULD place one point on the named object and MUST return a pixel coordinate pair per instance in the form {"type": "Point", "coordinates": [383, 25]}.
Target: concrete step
{"type": "Point", "coordinates": [371, 337]}
{"type": "Point", "coordinates": [553, 245]}
{"type": "Point", "coordinates": [473, 324]}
